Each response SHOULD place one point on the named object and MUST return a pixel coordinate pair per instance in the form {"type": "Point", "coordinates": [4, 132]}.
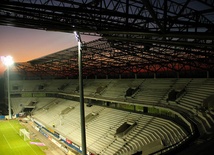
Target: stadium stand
{"type": "Point", "coordinates": [95, 87]}
{"type": "Point", "coordinates": [137, 39]}
{"type": "Point", "coordinates": [115, 89]}
{"type": "Point", "coordinates": [153, 90]}
{"type": "Point", "coordinates": [101, 131]}
{"type": "Point", "coordinates": [154, 128]}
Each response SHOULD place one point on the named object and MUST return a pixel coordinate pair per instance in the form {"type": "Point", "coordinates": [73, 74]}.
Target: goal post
{"type": "Point", "coordinates": [25, 133]}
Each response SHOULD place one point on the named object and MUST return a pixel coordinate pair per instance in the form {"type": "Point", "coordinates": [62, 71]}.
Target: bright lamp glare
{"type": "Point", "coordinates": [76, 35]}
{"type": "Point", "coordinates": [7, 61]}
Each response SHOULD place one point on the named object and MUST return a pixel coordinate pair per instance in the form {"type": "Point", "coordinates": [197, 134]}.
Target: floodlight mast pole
{"type": "Point", "coordinates": [82, 110]}
{"type": "Point", "coordinates": [8, 61]}
{"type": "Point", "coordinates": [8, 91]}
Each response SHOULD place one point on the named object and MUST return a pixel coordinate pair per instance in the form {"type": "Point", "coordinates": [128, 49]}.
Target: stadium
{"type": "Point", "coordinates": [146, 86]}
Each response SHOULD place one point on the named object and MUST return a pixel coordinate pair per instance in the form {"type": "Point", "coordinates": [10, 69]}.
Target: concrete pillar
{"type": "Point", "coordinates": [154, 75]}
{"type": "Point", "coordinates": [178, 75]}
{"type": "Point", "coordinates": [208, 74]}
{"type": "Point", "coordinates": [135, 76]}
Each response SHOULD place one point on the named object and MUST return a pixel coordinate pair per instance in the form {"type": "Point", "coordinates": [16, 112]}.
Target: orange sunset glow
{"type": "Point", "coordinates": [27, 44]}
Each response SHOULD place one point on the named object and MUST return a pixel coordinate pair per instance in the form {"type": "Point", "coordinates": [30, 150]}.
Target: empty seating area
{"type": "Point", "coordinates": [25, 85]}
{"type": "Point", "coordinates": [181, 83]}
{"type": "Point", "coordinates": [102, 122]}
{"type": "Point", "coordinates": [65, 85]}
{"type": "Point", "coordinates": [101, 131]}
{"type": "Point", "coordinates": [194, 95]}
{"type": "Point", "coordinates": [91, 86]}
{"type": "Point", "coordinates": [117, 88]}
{"type": "Point", "coordinates": [18, 103]}
{"type": "Point", "coordinates": [196, 91]}
{"type": "Point", "coordinates": [153, 90]}
{"type": "Point", "coordinates": [150, 90]}
{"type": "Point", "coordinates": [71, 86]}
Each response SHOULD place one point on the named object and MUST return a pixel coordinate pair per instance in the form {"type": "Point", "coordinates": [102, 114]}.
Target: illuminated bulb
{"type": "Point", "coordinates": [7, 61]}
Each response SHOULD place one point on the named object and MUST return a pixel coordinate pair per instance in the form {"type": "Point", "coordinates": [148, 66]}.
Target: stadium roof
{"type": "Point", "coordinates": [137, 36]}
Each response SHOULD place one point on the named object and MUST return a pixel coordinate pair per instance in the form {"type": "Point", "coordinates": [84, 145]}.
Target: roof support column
{"type": "Point", "coordinates": [135, 75]}
{"type": "Point", "coordinates": [154, 75]}
{"type": "Point", "coordinates": [208, 74]}
{"type": "Point", "coordinates": [178, 75]}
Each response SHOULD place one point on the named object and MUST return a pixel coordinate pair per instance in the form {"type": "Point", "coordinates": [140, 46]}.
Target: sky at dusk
{"type": "Point", "coordinates": [28, 44]}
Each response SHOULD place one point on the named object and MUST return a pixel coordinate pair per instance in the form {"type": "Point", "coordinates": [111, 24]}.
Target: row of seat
{"type": "Point", "coordinates": [192, 100]}
{"type": "Point", "coordinates": [101, 137]}
{"type": "Point", "coordinates": [101, 131]}
{"type": "Point", "coordinates": [151, 90]}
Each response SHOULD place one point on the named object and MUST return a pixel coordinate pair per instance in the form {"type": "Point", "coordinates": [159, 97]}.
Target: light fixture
{"type": "Point", "coordinates": [7, 60]}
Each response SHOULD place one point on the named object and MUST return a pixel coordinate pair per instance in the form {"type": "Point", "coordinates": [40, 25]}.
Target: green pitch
{"type": "Point", "coordinates": [12, 144]}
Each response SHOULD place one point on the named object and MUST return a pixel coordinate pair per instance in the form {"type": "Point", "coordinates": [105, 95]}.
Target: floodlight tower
{"type": "Point", "coordinates": [82, 111]}
{"type": "Point", "coordinates": [8, 61]}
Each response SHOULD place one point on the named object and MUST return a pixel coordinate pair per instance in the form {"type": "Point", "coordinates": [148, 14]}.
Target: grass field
{"type": "Point", "coordinates": [12, 144]}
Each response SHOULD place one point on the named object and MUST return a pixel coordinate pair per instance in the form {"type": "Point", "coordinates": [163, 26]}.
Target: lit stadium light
{"type": "Point", "coordinates": [7, 60]}
{"type": "Point", "coordinates": [77, 36]}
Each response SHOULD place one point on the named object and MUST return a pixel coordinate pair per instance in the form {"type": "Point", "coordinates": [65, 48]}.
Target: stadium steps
{"type": "Point", "coordinates": [117, 89]}
{"type": "Point", "coordinates": [109, 129]}
{"type": "Point", "coordinates": [208, 114]}
{"type": "Point", "coordinates": [139, 85]}
{"type": "Point", "coordinates": [153, 90]}
{"type": "Point", "coordinates": [204, 120]}
{"type": "Point", "coordinates": [211, 115]}
{"type": "Point", "coordinates": [197, 91]}
{"type": "Point", "coordinates": [101, 146]}
{"type": "Point", "coordinates": [17, 104]}
{"type": "Point", "coordinates": [91, 86]}
{"type": "Point", "coordinates": [190, 97]}
{"type": "Point", "coordinates": [167, 133]}
{"type": "Point", "coordinates": [200, 125]}
{"type": "Point", "coordinates": [170, 87]}
{"type": "Point", "coordinates": [101, 132]}
{"type": "Point", "coordinates": [208, 119]}
{"type": "Point", "coordinates": [168, 139]}
{"type": "Point", "coordinates": [140, 139]}
{"type": "Point", "coordinates": [108, 84]}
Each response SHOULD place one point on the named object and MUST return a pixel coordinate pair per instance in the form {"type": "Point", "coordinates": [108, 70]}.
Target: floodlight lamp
{"type": "Point", "coordinates": [76, 35]}
{"type": "Point", "coordinates": [7, 61]}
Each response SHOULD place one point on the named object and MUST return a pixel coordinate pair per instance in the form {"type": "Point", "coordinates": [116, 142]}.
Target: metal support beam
{"type": "Point", "coordinates": [153, 14]}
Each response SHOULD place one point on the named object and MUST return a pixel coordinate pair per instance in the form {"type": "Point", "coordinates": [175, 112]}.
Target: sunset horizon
{"type": "Point", "coordinates": [25, 44]}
